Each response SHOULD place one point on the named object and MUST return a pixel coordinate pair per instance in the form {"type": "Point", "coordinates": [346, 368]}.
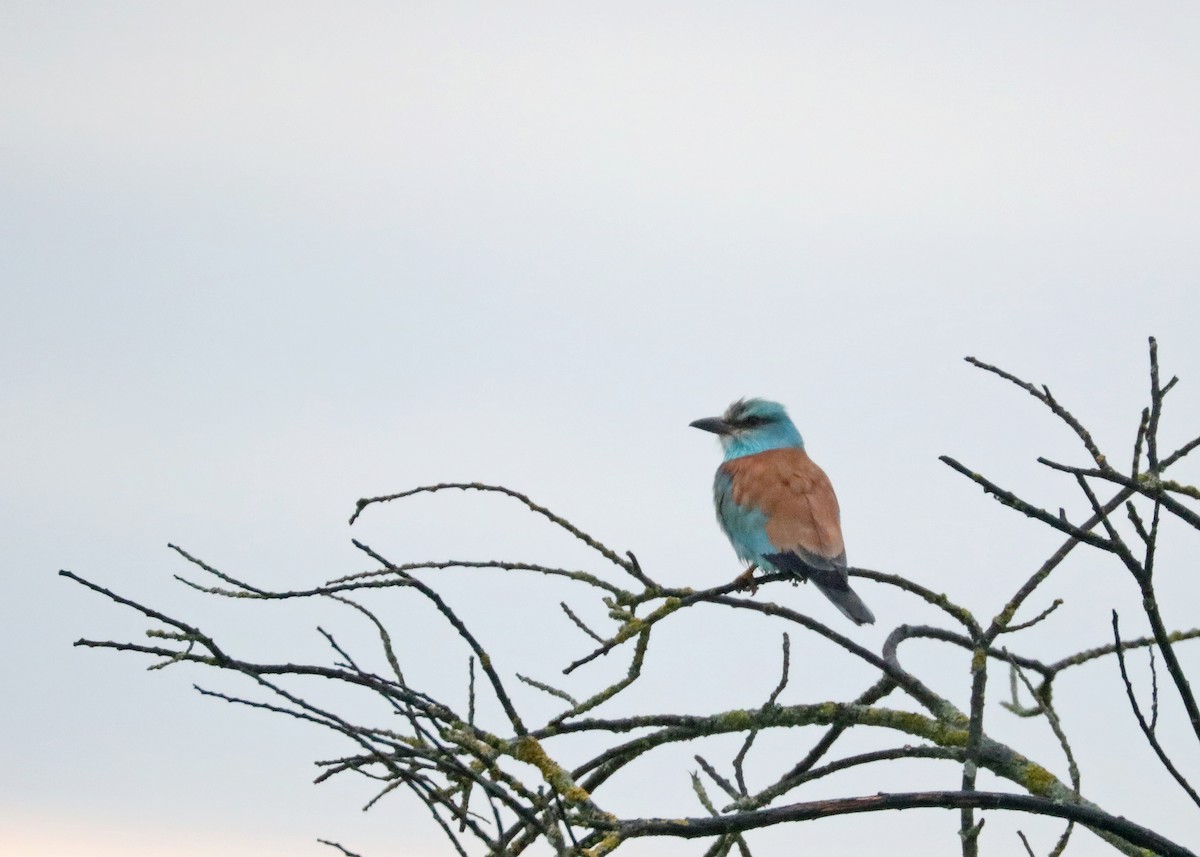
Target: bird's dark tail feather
{"type": "Point", "coordinates": [830, 579]}
{"type": "Point", "coordinates": [844, 599]}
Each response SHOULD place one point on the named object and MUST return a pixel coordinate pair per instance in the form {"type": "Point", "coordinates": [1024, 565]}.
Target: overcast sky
{"type": "Point", "coordinates": [258, 260]}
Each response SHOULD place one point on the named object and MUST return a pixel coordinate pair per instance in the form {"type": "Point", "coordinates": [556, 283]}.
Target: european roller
{"type": "Point", "coordinates": [776, 506]}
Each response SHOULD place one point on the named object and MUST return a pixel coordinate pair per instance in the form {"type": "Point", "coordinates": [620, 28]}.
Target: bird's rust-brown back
{"type": "Point", "coordinates": [795, 496]}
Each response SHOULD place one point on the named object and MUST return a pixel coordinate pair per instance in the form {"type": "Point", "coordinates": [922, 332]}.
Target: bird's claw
{"type": "Point", "coordinates": [746, 579]}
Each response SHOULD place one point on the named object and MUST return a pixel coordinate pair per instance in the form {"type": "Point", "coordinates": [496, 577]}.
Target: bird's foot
{"type": "Point", "coordinates": [746, 579]}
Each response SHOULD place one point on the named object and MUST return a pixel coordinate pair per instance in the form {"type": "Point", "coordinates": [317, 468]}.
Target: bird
{"type": "Point", "coordinates": [776, 505]}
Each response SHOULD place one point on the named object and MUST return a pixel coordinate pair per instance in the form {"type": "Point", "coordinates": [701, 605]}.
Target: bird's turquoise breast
{"type": "Point", "coordinates": [746, 527]}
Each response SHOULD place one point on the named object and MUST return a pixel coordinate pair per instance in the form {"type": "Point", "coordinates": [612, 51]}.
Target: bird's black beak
{"type": "Point", "coordinates": [716, 425]}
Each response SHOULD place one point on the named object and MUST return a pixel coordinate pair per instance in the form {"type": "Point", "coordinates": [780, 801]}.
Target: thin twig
{"type": "Point", "coordinates": [1021, 626]}
{"type": "Point", "coordinates": [1147, 729]}
{"type": "Point", "coordinates": [579, 623]}
{"type": "Point", "coordinates": [1029, 510]}
{"type": "Point", "coordinates": [1025, 842]}
{"type": "Point", "coordinates": [1044, 396]}
{"type": "Point", "coordinates": [716, 777]}
{"type": "Point", "coordinates": [1145, 485]}
{"type": "Point", "coordinates": [740, 759]}
{"type": "Point", "coordinates": [551, 571]}
{"type": "Point", "coordinates": [563, 523]}
{"type": "Point", "coordinates": [484, 660]}
{"type": "Point", "coordinates": [550, 689]}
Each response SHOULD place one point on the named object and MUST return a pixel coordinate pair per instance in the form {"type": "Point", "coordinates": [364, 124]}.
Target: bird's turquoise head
{"type": "Point", "coordinates": [752, 425]}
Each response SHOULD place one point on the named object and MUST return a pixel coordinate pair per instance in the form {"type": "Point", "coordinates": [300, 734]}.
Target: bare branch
{"type": "Point", "coordinates": [1021, 626]}
{"type": "Point", "coordinates": [1025, 842]}
{"type": "Point", "coordinates": [484, 660]}
{"type": "Point", "coordinates": [1146, 727]}
{"type": "Point", "coordinates": [1145, 485]}
{"type": "Point", "coordinates": [740, 759]}
{"type": "Point", "coordinates": [1013, 501]}
{"type": "Point", "coordinates": [1043, 395]}
{"type": "Point", "coordinates": [563, 523]}
{"type": "Point", "coordinates": [580, 624]}
{"type": "Point", "coordinates": [578, 576]}
{"type": "Point", "coordinates": [553, 691]}
{"type": "Point", "coordinates": [716, 777]}
{"type": "Point", "coordinates": [1096, 820]}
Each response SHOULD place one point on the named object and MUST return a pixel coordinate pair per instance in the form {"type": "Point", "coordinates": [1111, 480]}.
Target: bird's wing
{"type": "Point", "coordinates": [796, 503]}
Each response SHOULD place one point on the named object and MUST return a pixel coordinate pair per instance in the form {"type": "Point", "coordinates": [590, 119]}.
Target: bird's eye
{"type": "Point", "coordinates": [753, 421]}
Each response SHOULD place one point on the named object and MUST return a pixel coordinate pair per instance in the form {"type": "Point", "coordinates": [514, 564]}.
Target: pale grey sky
{"type": "Point", "coordinates": [259, 260]}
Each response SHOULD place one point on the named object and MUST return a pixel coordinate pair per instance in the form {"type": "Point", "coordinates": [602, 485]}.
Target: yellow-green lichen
{"type": "Point", "coordinates": [827, 711]}
{"type": "Point", "coordinates": [1038, 780]}
{"type": "Point", "coordinates": [913, 724]}
{"type": "Point", "coordinates": [528, 749]}
{"type": "Point", "coordinates": [948, 736]}
{"type": "Point", "coordinates": [735, 721]}
{"type": "Point", "coordinates": [942, 734]}
{"type": "Point", "coordinates": [634, 626]}
{"type": "Point", "coordinates": [629, 629]}
{"type": "Point", "coordinates": [604, 846]}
